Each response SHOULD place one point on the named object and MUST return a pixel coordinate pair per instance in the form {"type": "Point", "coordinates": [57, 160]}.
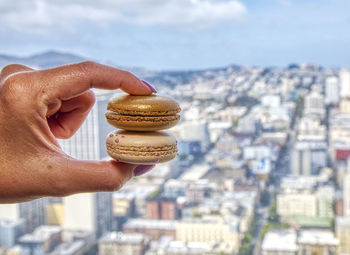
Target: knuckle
{"type": "Point", "coordinates": [12, 87]}
{"type": "Point", "coordinates": [87, 66]}
{"type": "Point", "coordinates": [6, 69]}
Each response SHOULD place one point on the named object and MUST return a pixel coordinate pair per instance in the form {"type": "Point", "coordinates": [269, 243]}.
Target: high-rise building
{"type": "Point", "coordinates": [308, 157]}
{"type": "Point", "coordinates": [332, 90]}
{"type": "Point", "coordinates": [314, 103]}
{"type": "Point", "coordinates": [301, 161]}
{"type": "Point", "coordinates": [344, 78]}
{"type": "Point", "coordinates": [346, 195]}
{"type": "Point", "coordinates": [88, 143]}
{"type": "Point", "coordinates": [32, 212]}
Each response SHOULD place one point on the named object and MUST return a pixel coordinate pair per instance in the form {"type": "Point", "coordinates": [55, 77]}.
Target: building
{"type": "Point", "coordinates": [194, 131]}
{"type": "Point", "coordinates": [169, 209]}
{"type": "Point", "coordinates": [325, 201]}
{"type": "Point", "coordinates": [308, 157]}
{"type": "Point", "coordinates": [42, 241]}
{"type": "Point", "coordinates": [10, 231]}
{"type": "Point", "coordinates": [346, 195]}
{"type": "Point", "coordinates": [119, 243]}
{"type": "Point", "coordinates": [271, 101]}
{"type": "Point", "coordinates": [55, 214]}
{"type": "Point", "coordinates": [342, 230]}
{"type": "Point", "coordinates": [154, 229]}
{"type": "Point", "coordinates": [344, 79]}
{"type": "Point", "coordinates": [281, 242]}
{"type": "Point", "coordinates": [209, 230]}
{"type": "Point", "coordinates": [314, 104]}
{"type": "Point", "coordinates": [32, 212]}
{"type": "Point", "coordinates": [308, 207]}
{"type": "Point", "coordinates": [311, 129]}
{"type": "Point", "coordinates": [168, 246]}
{"type": "Point", "coordinates": [257, 152]}
{"type": "Point", "coordinates": [88, 143]}
{"type": "Point", "coordinates": [153, 211]}
{"type": "Point", "coordinates": [332, 90]}
{"type": "Point", "coordinates": [97, 216]}
{"type": "Point", "coordinates": [297, 204]}
{"type": "Point", "coordinates": [317, 242]}
{"type": "Point", "coordinates": [162, 209]}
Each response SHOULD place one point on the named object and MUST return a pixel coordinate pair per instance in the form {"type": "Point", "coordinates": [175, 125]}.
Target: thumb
{"type": "Point", "coordinates": [78, 176]}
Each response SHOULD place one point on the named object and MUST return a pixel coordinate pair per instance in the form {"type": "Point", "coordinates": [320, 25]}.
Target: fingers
{"type": "Point", "coordinates": [70, 115]}
{"type": "Point", "coordinates": [66, 82]}
{"type": "Point", "coordinates": [76, 176]}
{"type": "Point", "coordinates": [11, 69]}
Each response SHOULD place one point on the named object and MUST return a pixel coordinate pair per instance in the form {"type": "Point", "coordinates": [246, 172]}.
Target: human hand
{"type": "Point", "coordinates": [38, 106]}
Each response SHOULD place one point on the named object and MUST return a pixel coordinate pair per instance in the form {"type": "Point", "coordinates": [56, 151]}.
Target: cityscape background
{"type": "Point", "coordinates": [264, 137]}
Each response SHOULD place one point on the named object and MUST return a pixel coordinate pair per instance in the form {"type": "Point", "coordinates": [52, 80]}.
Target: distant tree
{"type": "Point", "coordinates": [273, 216]}
{"type": "Point", "coordinates": [246, 101]}
{"type": "Point", "coordinates": [265, 197]}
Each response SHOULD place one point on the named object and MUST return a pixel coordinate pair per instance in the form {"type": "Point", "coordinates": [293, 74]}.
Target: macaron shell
{"type": "Point", "coordinates": [141, 147]}
{"type": "Point", "coordinates": [142, 160]}
{"type": "Point", "coordinates": [153, 105]}
{"type": "Point", "coordinates": [142, 123]}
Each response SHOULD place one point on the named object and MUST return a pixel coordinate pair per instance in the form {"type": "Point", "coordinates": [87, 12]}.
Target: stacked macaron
{"type": "Point", "coordinates": [139, 119]}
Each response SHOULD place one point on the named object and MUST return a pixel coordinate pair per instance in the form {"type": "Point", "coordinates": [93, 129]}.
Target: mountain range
{"type": "Point", "coordinates": [170, 78]}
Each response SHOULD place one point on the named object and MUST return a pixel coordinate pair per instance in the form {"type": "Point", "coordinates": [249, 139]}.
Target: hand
{"type": "Point", "coordinates": [36, 107]}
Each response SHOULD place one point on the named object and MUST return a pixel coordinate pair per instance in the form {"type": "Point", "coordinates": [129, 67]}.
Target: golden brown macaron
{"type": "Point", "coordinates": [145, 148]}
{"type": "Point", "coordinates": [142, 113]}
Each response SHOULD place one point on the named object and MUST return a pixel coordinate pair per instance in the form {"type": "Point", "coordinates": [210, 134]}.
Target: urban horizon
{"type": "Point", "coordinates": [263, 164]}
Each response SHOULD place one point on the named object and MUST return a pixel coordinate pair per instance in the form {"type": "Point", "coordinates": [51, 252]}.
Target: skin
{"type": "Point", "coordinates": [38, 106]}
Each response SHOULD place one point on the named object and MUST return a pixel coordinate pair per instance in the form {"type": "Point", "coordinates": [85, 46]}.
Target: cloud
{"type": "Point", "coordinates": [41, 16]}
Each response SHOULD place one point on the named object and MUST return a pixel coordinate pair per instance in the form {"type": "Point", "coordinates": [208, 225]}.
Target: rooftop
{"type": "Point", "coordinates": [280, 240]}
{"type": "Point", "coordinates": [317, 237]}
{"type": "Point", "coordinates": [68, 248]}
{"type": "Point", "coordinates": [195, 173]}
{"type": "Point", "coordinates": [40, 234]}
{"type": "Point", "coordinates": [343, 221]}
{"type": "Point", "coordinates": [150, 224]}
{"type": "Point", "coordinates": [121, 238]}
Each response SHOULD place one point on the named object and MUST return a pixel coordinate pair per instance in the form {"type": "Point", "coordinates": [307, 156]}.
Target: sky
{"type": "Point", "coordinates": [181, 34]}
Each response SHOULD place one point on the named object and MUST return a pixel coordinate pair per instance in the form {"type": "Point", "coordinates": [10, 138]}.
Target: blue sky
{"type": "Point", "coordinates": [181, 34]}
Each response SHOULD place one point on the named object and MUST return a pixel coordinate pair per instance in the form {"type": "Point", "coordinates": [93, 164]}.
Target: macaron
{"type": "Point", "coordinates": [142, 113]}
{"type": "Point", "coordinates": [146, 148]}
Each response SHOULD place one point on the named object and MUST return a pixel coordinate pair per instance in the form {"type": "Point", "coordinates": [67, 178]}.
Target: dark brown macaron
{"type": "Point", "coordinates": [142, 113]}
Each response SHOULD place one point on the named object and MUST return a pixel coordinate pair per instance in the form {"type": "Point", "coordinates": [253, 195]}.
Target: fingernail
{"type": "Point", "coordinates": [150, 86]}
{"type": "Point", "coordinates": [142, 169]}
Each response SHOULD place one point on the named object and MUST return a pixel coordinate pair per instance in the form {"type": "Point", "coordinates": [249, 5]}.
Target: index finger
{"type": "Point", "coordinates": [66, 82]}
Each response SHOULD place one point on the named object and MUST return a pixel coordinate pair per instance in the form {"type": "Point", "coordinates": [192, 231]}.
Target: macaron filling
{"type": "Point", "coordinates": [143, 150]}
{"type": "Point", "coordinates": [155, 118]}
